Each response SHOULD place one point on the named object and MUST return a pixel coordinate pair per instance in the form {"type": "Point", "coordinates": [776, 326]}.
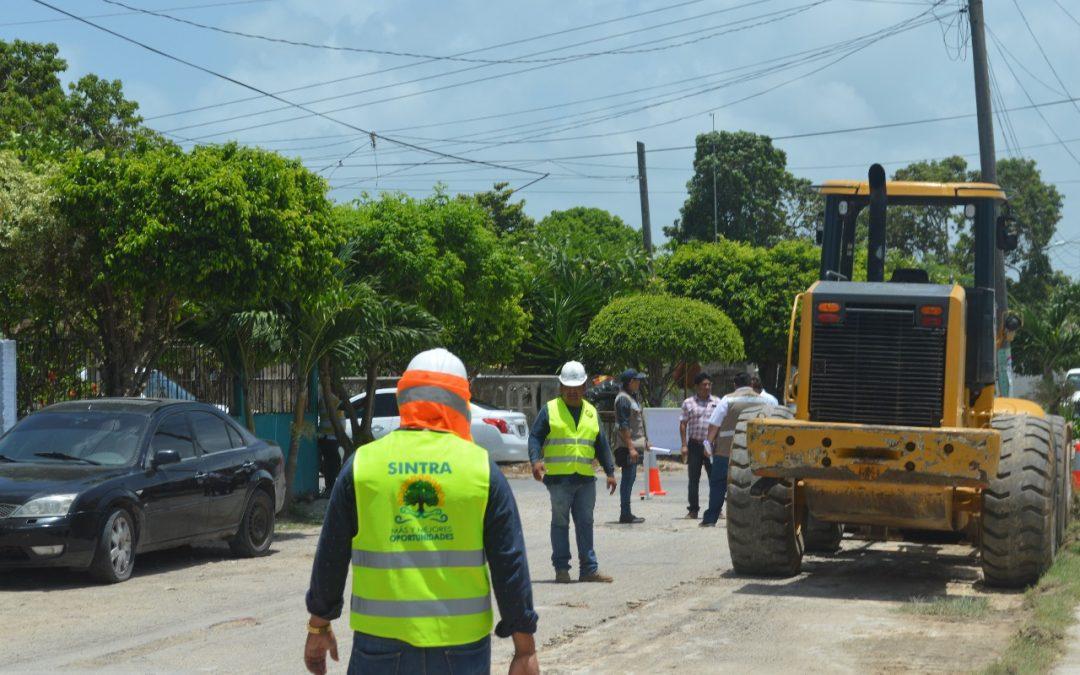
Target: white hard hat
{"type": "Point", "coordinates": [572, 374]}
{"type": "Point", "coordinates": [438, 361]}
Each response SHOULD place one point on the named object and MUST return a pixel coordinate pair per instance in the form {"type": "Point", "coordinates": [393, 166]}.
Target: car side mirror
{"type": "Point", "coordinates": [164, 457]}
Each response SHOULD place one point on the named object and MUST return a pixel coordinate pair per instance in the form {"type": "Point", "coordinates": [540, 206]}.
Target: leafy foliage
{"type": "Point", "coordinates": [442, 255]}
{"type": "Point", "coordinates": [657, 332]}
{"type": "Point", "coordinates": [577, 262]}
{"type": "Point", "coordinates": [1049, 340]}
{"type": "Point", "coordinates": [508, 218]}
{"type": "Point", "coordinates": [754, 286]}
{"type": "Point", "coordinates": [753, 192]}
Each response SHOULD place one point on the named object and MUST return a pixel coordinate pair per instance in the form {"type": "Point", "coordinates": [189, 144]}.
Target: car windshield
{"type": "Point", "coordinates": [1073, 381]}
{"type": "Point", "coordinates": [90, 437]}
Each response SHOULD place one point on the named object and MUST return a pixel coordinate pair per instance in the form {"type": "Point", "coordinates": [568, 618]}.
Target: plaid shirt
{"type": "Point", "coordinates": [696, 413]}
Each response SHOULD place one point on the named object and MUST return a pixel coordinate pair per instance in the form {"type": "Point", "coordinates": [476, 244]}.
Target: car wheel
{"type": "Point", "coordinates": [256, 531]}
{"type": "Point", "coordinates": [114, 558]}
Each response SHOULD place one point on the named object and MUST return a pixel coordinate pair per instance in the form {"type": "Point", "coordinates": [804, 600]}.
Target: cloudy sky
{"type": "Point", "coordinates": [566, 89]}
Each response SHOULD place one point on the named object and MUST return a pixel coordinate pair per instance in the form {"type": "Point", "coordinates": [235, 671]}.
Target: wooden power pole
{"type": "Point", "coordinates": [643, 188]}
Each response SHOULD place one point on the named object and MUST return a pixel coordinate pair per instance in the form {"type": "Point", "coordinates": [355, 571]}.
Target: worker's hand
{"type": "Point", "coordinates": [525, 664]}
{"type": "Point", "coordinates": [684, 451]}
{"type": "Point", "coordinates": [634, 455]}
{"type": "Point", "coordinates": [708, 448]}
{"type": "Point", "coordinates": [611, 485]}
{"type": "Point", "coordinates": [315, 652]}
{"type": "Point", "coordinates": [539, 470]}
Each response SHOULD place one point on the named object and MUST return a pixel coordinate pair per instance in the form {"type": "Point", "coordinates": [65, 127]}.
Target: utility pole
{"type": "Point", "coordinates": [643, 189]}
{"type": "Point", "coordinates": [715, 216]}
{"type": "Point", "coordinates": [988, 171]}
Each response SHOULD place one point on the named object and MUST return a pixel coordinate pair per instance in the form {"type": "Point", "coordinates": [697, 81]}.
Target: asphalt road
{"type": "Point", "coordinates": [675, 605]}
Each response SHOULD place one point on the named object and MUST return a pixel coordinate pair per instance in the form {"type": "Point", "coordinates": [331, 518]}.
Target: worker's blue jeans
{"type": "Point", "coordinates": [572, 497]}
{"type": "Point", "coordinates": [373, 655]}
{"type": "Point", "coordinates": [717, 489]}
{"type": "Point", "coordinates": [626, 488]}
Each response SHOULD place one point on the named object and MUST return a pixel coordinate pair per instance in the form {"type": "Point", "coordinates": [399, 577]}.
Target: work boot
{"type": "Point", "coordinates": [706, 524]}
{"type": "Point", "coordinates": [692, 515]}
{"type": "Point", "coordinates": [595, 577]}
{"type": "Point", "coordinates": [630, 520]}
{"type": "Point", "coordinates": [562, 577]}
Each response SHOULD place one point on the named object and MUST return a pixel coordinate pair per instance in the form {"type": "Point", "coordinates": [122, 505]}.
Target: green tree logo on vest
{"type": "Point", "coordinates": [419, 499]}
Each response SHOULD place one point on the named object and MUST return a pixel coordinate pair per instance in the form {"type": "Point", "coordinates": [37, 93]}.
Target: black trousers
{"type": "Point", "coordinates": [329, 459]}
{"type": "Point", "coordinates": [695, 460]}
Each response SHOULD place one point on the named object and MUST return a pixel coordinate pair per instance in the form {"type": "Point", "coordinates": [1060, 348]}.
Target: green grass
{"type": "Point", "coordinates": [298, 518]}
{"type": "Point", "coordinates": [962, 607]}
{"type": "Point", "coordinates": [1049, 609]}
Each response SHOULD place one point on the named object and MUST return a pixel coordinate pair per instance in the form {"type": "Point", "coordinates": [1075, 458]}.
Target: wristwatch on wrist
{"type": "Point", "coordinates": [319, 630]}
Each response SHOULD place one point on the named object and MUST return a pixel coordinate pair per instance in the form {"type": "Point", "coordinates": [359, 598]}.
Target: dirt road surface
{"type": "Point", "coordinates": [675, 605]}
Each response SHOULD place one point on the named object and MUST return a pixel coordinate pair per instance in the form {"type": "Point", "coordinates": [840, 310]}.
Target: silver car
{"type": "Point", "coordinates": [503, 433]}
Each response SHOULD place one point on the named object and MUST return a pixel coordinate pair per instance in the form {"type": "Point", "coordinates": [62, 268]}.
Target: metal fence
{"type": "Point", "coordinates": [272, 390]}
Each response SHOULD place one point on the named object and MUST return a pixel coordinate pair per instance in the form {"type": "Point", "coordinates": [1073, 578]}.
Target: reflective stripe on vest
{"type": "Point", "coordinates": [570, 448]}
{"type": "Point", "coordinates": [434, 395]}
{"type": "Point", "coordinates": [419, 572]}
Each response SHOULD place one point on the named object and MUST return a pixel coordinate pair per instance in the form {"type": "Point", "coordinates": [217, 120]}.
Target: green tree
{"type": "Point", "coordinates": [40, 121]}
{"type": "Point", "coordinates": [147, 235]}
{"type": "Point", "coordinates": [508, 218]}
{"type": "Point", "coordinates": [575, 264]}
{"type": "Point", "coordinates": [754, 286]}
{"type": "Point", "coordinates": [658, 332]}
{"type": "Point", "coordinates": [752, 188]}
{"type": "Point", "coordinates": [1049, 340]}
{"type": "Point", "coordinates": [442, 255]}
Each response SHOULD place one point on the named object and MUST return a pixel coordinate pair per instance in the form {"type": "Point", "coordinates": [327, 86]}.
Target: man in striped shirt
{"type": "Point", "coordinates": [694, 431]}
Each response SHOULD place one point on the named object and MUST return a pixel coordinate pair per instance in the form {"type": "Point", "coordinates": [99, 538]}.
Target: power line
{"type": "Point", "coordinates": [1043, 52]}
{"type": "Point", "coordinates": [500, 45]}
{"type": "Point", "coordinates": [256, 89]}
{"type": "Point", "coordinates": [312, 45]}
{"type": "Point", "coordinates": [110, 14]}
{"type": "Point", "coordinates": [1067, 13]}
{"type": "Point", "coordinates": [1020, 84]}
{"type": "Point", "coordinates": [487, 78]}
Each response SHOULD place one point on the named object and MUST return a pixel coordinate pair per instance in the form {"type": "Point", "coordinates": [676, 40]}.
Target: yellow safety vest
{"type": "Point", "coordinates": [569, 448]}
{"type": "Point", "coordinates": [419, 572]}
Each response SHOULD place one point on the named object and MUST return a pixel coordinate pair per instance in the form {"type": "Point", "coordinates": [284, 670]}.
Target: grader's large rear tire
{"type": "Point", "coordinates": [820, 536]}
{"type": "Point", "coordinates": [764, 537]}
{"type": "Point", "coordinates": [1018, 524]}
{"type": "Point", "coordinates": [1064, 477]}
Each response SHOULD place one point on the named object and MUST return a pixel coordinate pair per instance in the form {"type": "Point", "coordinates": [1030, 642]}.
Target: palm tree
{"type": "Point", "coordinates": [330, 323]}
{"type": "Point", "coordinates": [1049, 340]}
{"type": "Point", "coordinates": [245, 342]}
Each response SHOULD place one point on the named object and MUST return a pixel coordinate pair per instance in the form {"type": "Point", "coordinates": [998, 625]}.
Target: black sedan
{"type": "Point", "coordinates": [88, 484]}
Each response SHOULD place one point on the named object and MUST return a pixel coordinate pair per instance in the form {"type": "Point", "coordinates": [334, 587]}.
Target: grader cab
{"type": "Point", "coordinates": [896, 425]}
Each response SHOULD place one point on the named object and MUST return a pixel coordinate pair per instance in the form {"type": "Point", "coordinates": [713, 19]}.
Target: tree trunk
{"type": "Point", "coordinates": [300, 401]}
{"type": "Point", "coordinates": [369, 402]}
{"type": "Point", "coordinates": [346, 401]}
{"type": "Point", "coordinates": [249, 414]}
{"type": "Point", "coordinates": [326, 389]}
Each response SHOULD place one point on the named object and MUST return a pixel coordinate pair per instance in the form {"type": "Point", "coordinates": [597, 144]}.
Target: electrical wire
{"type": "Point", "coordinates": [111, 14]}
{"type": "Point", "coordinates": [1043, 52]}
{"type": "Point", "coordinates": [777, 16]}
{"type": "Point", "coordinates": [256, 89]}
{"type": "Point", "coordinates": [511, 43]}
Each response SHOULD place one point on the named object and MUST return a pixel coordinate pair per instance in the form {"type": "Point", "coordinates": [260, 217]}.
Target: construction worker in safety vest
{"type": "Point", "coordinates": [430, 528]}
{"type": "Point", "coordinates": [564, 441]}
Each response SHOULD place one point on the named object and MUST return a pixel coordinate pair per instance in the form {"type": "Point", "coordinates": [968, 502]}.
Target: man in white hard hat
{"type": "Point", "coordinates": [430, 528]}
{"type": "Point", "coordinates": [564, 441]}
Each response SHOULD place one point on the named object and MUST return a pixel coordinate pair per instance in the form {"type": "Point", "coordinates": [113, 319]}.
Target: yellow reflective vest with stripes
{"type": "Point", "coordinates": [570, 448]}
{"type": "Point", "coordinates": [419, 573]}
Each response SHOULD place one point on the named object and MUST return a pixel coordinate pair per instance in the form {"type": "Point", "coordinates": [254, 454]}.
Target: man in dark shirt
{"type": "Point", "coordinates": [573, 494]}
{"type": "Point", "coordinates": [504, 553]}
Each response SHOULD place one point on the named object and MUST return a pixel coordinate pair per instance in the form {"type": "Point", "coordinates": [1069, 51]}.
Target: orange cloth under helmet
{"type": "Point", "coordinates": [437, 401]}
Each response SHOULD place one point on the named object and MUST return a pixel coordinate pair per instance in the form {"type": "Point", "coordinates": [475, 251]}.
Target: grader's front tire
{"type": "Point", "coordinates": [764, 538]}
{"type": "Point", "coordinates": [1018, 524]}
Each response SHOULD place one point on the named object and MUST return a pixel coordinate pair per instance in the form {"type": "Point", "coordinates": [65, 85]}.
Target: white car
{"type": "Point", "coordinates": [1072, 378]}
{"type": "Point", "coordinates": [503, 433]}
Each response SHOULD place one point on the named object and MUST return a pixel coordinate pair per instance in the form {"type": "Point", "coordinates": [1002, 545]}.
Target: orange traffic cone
{"type": "Point", "coordinates": [654, 483]}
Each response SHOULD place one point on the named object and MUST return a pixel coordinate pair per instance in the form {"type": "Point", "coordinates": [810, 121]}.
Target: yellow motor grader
{"type": "Point", "coordinates": [896, 425]}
